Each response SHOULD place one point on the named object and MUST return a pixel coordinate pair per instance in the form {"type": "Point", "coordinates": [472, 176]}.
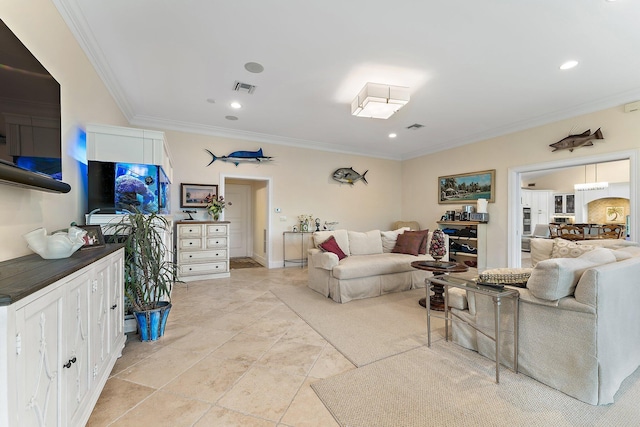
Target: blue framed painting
{"type": "Point", "coordinates": [466, 187]}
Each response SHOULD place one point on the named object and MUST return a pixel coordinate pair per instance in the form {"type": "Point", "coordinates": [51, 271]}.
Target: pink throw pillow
{"type": "Point", "coordinates": [330, 245]}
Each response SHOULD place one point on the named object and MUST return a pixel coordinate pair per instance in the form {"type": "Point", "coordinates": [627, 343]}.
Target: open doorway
{"type": "Point", "coordinates": [249, 218]}
{"type": "Point", "coordinates": [515, 214]}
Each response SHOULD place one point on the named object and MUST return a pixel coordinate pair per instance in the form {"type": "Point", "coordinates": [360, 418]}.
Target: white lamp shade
{"type": "Point", "coordinates": [379, 101]}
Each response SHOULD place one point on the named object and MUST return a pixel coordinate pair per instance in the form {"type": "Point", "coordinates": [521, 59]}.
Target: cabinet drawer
{"type": "Point", "coordinates": [202, 256]}
{"type": "Point", "coordinates": [216, 242]}
{"type": "Point", "coordinates": [217, 230]}
{"type": "Point", "coordinates": [189, 230]}
{"type": "Point", "coordinates": [208, 268]}
{"type": "Point", "coordinates": [190, 243]}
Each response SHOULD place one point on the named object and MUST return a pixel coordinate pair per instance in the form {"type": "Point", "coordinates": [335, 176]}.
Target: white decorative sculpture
{"type": "Point", "coordinates": [58, 245]}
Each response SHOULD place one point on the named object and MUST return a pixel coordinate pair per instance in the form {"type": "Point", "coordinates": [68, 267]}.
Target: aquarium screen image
{"type": "Point", "coordinates": [126, 187]}
{"type": "Point", "coordinates": [47, 165]}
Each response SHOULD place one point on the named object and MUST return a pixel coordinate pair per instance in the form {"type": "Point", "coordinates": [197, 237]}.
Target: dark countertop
{"type": "Point", "coordinates": [21, 277]}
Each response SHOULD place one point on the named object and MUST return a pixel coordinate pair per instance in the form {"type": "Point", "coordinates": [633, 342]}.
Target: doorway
{"type": "Point", "coordinates": [514, 255]}
{"type": "Point", "coordinates": [249, 217]}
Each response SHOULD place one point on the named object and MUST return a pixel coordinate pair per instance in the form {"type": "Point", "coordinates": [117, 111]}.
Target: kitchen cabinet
{"type": "Point", "coordinates": [202, 250]}
{"type": "Point", "coordinates": [52, 332]}
{"type": "Point", "coordinates": [540, 203]}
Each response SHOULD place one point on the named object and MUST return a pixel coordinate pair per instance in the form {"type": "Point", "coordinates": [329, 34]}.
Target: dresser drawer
{"type": "Point", "coordinates": [216, 242]}
{"type": "Point", "coordinates": [208, 268]}
{"type": "Point", "coordinates": [202, 256]}
{"type": "Point", "coordinates": [217, 230]}
{"type": "Point", "coordinates": [189, 230]}
{"type": "Point", "coordinates": [190, 243]}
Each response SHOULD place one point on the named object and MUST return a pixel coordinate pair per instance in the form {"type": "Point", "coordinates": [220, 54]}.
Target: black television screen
{"type": "Point", "coordinates": [30, 134]}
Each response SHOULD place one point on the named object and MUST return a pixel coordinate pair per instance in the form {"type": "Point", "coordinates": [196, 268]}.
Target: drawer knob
{"type": "Point", "coordinates": [191, 243]}
{"type": "Point", "coordinates": [190, 256]}
{"type": "Point", "coordinates": [114, 306]}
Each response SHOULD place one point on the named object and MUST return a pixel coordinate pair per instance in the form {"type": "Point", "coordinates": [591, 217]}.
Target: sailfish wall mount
{"type": "Point", "coordinates": [238, 157]}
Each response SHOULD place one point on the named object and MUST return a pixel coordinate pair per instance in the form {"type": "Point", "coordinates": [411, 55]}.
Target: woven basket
{"type": "Point", "coordinates": [506, 276]}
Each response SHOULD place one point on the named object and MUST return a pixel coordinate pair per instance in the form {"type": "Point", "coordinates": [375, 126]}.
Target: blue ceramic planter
{"type": "Point", "coordinates": [151, 323]}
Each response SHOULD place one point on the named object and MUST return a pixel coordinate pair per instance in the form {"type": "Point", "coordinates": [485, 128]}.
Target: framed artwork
{"type": "Point", "coordinates": [193, 195]}
{"type": "Point", "coordinates": [615, 214]}
{"type": "Point", "coordinates": [467, 187]}
{"type": "Point", "coordinates": [93, 238]}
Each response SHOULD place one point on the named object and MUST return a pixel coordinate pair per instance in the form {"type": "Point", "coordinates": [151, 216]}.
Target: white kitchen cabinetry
{"type": "Point", "coordinates": [61, 332]}
{"type": "Point", "coordinates": [540, 202]}
{"type": "Point", "coordinates": [202, 250]}
{"type": "Point", "coordinates": [128, 145]}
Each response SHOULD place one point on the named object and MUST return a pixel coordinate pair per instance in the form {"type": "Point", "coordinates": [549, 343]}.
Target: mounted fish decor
{"type": "Point", "coordinates": [575, 141]}
{"type": "Point", "coordinates": [349, 176]}
{"type": "Point", "coordinates": [238, 157]}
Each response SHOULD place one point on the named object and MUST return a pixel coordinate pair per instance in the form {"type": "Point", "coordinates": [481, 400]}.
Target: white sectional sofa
{"type": "Point", "coordinates": [579, 320]}
{"type": "Point", "coordinates": [370, 268]}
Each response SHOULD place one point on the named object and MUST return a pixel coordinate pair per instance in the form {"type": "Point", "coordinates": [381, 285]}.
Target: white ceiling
{"type": "Point", "coordinates": [475, 69]}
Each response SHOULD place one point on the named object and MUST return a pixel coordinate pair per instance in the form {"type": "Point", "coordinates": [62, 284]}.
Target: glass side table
{"type": "Point", "coordinates": [496, 293]}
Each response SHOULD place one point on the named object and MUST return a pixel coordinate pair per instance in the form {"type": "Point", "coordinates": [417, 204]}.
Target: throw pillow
{"type": "Point", "coordinates": [567, 249]}
{"type": "Point", "coordinates": [341, 237]}
{"type": "Point", "coordinates": [365, 243]}
{"type": "Point", "coordinates": [424, 234]}
{"type": "Point", "coordinates": [389, 239]}
{"type": "Point", "coordinates": [507, 276]}
{"type": "Point", "coordinates": [408, 244]}
{"type": "Point", "coordinates": [330, 245]}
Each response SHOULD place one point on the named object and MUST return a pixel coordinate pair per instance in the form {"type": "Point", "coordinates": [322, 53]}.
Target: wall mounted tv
{"type": "Point", "coordinates": [30, 134]}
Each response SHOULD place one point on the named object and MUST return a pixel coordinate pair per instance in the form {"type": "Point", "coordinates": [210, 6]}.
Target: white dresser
{"type": "Point", "coordinates": [202, 250]}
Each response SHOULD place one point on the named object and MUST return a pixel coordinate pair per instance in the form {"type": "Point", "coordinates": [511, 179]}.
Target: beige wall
{"type": "Point", "coordinates": [39, 26]}
{"type": "Point", "coordinates": [419, 176]}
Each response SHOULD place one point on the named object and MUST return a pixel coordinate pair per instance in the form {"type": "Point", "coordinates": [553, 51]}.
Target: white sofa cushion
{"type": "Point", "coordinates": [341, 236]}
{"type": "Point", "coordinates": [389, 239]}
{"type": "Point", "coordinates": [556, 278]}
{"type": "Point", "coordinates": [367, 243]}
{"type": "Point", "coordinates": [374, 265]}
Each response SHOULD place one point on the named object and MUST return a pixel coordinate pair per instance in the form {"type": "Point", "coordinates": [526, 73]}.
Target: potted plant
{"type": "Point", "coordinates": [148, 276]}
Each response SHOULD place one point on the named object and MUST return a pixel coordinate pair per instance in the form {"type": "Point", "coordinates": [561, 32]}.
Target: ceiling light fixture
{"type": "Point", "coordinates": [591, 185]}
{"type": "Point", "coordinates": [392, 135]}
{"type": "Point", "coordinates": [568, 65]}
{"type": "Point", "coordinates": [378, 101]}
{"type": "Point", "coordinates": [236, 105]}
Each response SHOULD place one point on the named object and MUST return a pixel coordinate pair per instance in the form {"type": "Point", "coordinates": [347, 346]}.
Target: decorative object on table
{"type": "Point", "coordinates": [59, 245]}
{"type": "Point", "coordinates": [349, 176]}
{"type": "Point", "coordinates": [189, 213]}
{"type": "Point", "coordinates": [437, 249]}
{"type": "Point", "coordinates": [330, 225]}
{"type": "Point", "coordinates": [572, 142]}
{"type": "Point", "coordinates": [194, 195]}
{"type": "Point", "coordinates": [149, 275]}
{"type": "Point", "coordinates": [215, 206]}
{"type": "Point", "coordinates": [238, 157]}
{"type": "Point", "coordinates": [467, 186]}
{"type": "Point", "coordinates": [482, 205]}
{"type": "Point", "coordinates": [506, 276]}
{"type": "Point", "coordinates": [615, 213]}
{"type": "Point", "coordinates": [317, 224]}
{"type": "Point", "coordinates": [93, 238]}
{"type": "Point", "coordinates": [305, 222]}
{"type": "Point", "coordinates": [295, 229]}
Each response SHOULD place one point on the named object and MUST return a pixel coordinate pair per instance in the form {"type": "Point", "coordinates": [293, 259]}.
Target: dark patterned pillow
{"type": "Point", "coordinates": [423, 244]}
{"type": "Point", "coordinates": [330, 245]}
{"type": "Point", "coordinates": [408, 243]}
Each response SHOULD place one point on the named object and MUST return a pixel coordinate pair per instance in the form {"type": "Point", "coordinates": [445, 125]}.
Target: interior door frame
{"type": "Point", "coordinates": [515, 213]}
{"type": "Point", "coordinates": [268, 180]}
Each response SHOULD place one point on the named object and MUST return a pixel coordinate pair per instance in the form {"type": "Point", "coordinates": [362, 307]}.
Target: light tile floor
{"type": "Point", "coordinates": [233, 355]}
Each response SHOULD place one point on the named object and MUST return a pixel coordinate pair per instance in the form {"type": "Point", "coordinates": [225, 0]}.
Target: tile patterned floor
{"type": "Point", "coordinates": [233, 355]}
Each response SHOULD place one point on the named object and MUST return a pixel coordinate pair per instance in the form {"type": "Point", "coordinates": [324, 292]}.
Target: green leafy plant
{"type": "Point", "coordinates": [148, 275]}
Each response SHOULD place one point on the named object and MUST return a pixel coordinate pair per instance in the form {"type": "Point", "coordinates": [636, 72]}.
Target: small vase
{"type": "Point", "coordinates": [215, 215]}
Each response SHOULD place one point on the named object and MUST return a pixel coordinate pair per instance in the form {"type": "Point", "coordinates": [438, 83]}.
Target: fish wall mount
{"type": "Point", "coordinates": [572, 142]}
{"type": "Point", "coordinates": [348, 176]}
{"type": "Point", "coordinates": [238, 157]}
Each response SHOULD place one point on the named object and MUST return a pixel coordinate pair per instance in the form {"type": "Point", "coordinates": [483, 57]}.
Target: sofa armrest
{"type": "Point", "coordinates": [324, 260]}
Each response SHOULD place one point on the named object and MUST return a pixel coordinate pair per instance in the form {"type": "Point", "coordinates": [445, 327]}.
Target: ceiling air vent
{"type": "Point", "coordinates": [243, 87]}
{"type": "Point", "coordinates": [415, 126]}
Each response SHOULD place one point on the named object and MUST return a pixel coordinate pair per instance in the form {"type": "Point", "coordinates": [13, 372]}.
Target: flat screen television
{"type": "Point", "coordinates": [30, 133]}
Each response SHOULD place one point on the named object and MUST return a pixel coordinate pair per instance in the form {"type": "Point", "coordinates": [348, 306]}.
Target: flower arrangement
{"type": "Point", "coordinates": [437, 249]}
{"type": "Point", "coordinates": [305, 218]}
{"type": "Point", "coordinates": [215, 205]}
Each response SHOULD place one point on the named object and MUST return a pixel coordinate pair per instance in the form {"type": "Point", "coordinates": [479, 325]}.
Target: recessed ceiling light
{"type": "Point", "coordinates": [392, 135]}
{"type": "Point", "coordinates": [231, 117]}
{"type": "Point", "coordinates": [568, 65]}
{"type": "Point", "coordinates": [253, 67]}
{"type": "Point", "coordinates": [236, 105]}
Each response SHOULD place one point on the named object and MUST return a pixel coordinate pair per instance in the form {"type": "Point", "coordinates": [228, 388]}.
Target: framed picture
{"type": "Point", "coordinates": [93, 238]}
{"type": "Point", "coordinates": [615, 214]}
{"type": "Point", "coordinates": [193, 195]}
{"type": "Point", "coordinates": [467, 187]}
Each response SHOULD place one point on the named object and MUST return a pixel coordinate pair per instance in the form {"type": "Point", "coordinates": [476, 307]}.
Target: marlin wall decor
{"type": "Point", "coordinates": [238, 157]}
{"type": "Point", "coordinates": [572, 142]}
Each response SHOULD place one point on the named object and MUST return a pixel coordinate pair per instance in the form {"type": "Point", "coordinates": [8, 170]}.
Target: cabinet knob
{"type": "Point", "coordinates": [190, 256]}
{"type": "Point", "coordinates": [68, 364]}
{"type": "Point", "coordinates": [113, 307]}
{"type": "Point", "coordinates": [191, 243]}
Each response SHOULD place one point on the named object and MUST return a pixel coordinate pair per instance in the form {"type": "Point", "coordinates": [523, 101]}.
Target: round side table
{"type": "Point", "coordinates": [438, 269]}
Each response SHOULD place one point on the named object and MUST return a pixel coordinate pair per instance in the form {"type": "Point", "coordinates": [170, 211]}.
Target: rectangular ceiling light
{"type": "Point", "coordinates": [379, 101]}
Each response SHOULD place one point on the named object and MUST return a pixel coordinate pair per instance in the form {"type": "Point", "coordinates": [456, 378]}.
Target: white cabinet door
{"type": "Point", "coordinates": [100, 307]}
{"type": "Point", "coordinates": [75, 343]}
{"type": "Point", "coordinates": [116, 303]}
{"type": "Point", "coordinates": [38, 362]}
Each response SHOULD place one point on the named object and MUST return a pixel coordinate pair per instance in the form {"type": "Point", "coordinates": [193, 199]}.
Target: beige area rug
{"type": "Point", "coordinates": [235, 263]}
{"type": "Point", "coordinates": [366, 330]}
{"type": "Point", "coordinates": [452, 386]}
